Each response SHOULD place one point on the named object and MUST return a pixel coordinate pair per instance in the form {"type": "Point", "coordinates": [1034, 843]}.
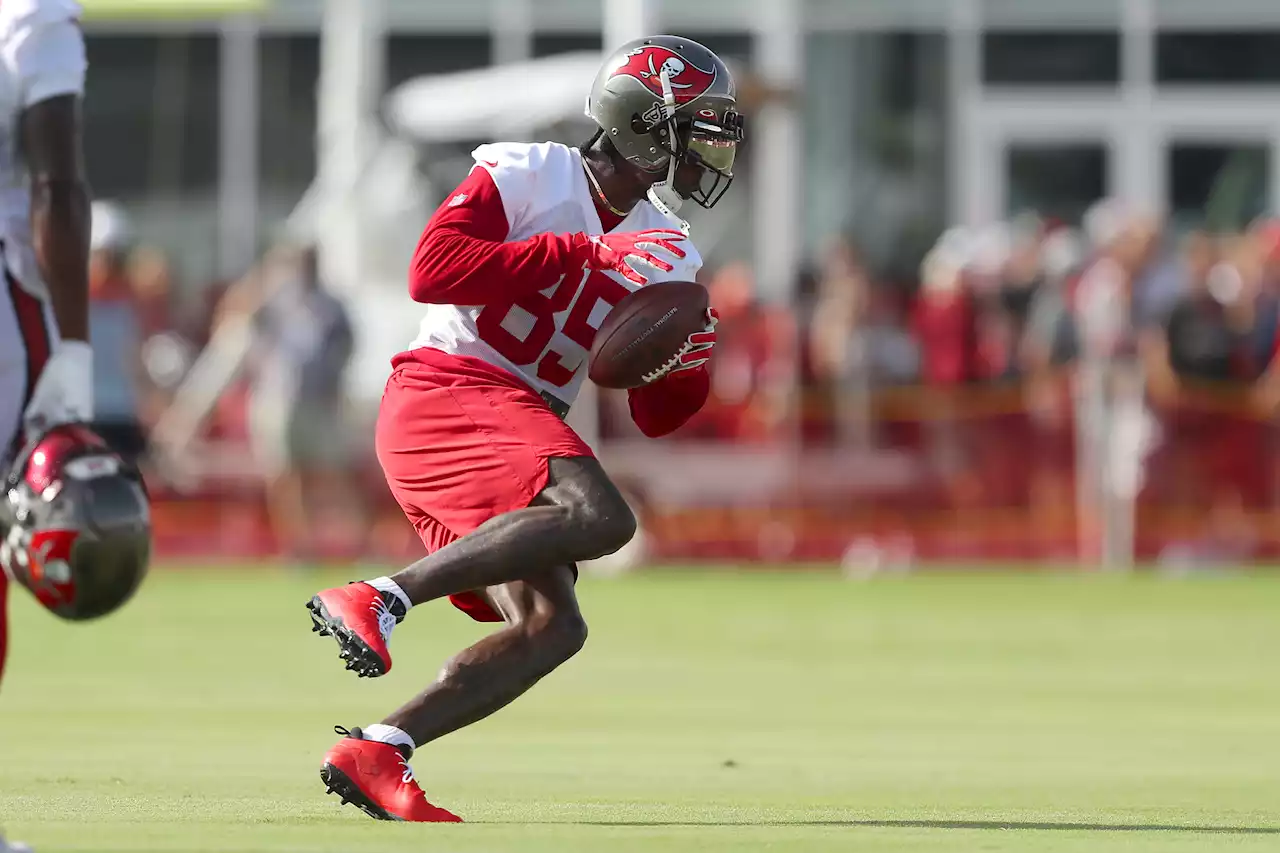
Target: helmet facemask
{"type": "Point", "coordinates": [706, 140]}
{"type": "Point", "coordinates": [710, 142]}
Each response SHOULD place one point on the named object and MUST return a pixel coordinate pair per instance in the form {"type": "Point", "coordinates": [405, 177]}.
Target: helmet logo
{"type": "Point", "coordinates": [48, 569]}
{"type": "Point", "coordinates": [647, 63]}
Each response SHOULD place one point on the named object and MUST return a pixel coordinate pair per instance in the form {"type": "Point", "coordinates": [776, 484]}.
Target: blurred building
{"type": "Point", "coordinates": [916, 114]}
{"type": "Point", "coordinates": [880, 124]}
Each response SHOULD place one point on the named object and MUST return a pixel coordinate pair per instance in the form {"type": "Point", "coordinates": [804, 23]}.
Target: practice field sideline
{"type": "Point", "coordinates": [709, 712]}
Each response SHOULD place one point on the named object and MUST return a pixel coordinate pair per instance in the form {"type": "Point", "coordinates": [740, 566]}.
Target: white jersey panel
{"type": "Point", "coordinates": [42, 56]}
{"type": "Point", "coordinates": [544, 190]}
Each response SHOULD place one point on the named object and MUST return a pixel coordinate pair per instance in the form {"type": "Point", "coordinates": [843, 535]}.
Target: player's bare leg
{"type": "Point", "coordinates": [579, 516]}
{"type": "Point", "coordinates": [544, 628]}
{"type": "Point", "coordinates": [369, 767]}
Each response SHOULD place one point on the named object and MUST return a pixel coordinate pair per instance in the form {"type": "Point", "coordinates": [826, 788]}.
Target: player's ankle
{"type": "Point", "coordinates": [382, 733]}
{"type": "Point", "coordinates": [386, 584]}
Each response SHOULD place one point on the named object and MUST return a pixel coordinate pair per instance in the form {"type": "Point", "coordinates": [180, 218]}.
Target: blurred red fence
{"type": "Point", "coordinates": [977, 473]}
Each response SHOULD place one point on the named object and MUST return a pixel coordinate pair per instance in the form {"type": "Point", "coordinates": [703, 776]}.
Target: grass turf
{"type": "Point", "coordinates": [709, 712]}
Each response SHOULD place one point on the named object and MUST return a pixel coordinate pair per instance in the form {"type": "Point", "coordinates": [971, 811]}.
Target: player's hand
{"type": "Point", "coordinates": [622, 253]}
{"type": "Point", "coordinates": [64, 391]}
{"type": "Point", "coordinates": [697, 349]}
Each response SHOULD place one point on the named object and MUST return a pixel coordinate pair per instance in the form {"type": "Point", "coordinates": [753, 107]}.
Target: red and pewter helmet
{"type": "Point", "coordinates": [663, 100]}
{"type": "Point", "coordinates": [75, 524]}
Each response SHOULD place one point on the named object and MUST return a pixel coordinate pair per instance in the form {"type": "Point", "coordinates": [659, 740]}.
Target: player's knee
{"type": "Point", "coordinates": [605, 527]}
{"type": "Point", "coordinates": [560, 636]}
{"type": "Point", "coordinates": [617, 528]}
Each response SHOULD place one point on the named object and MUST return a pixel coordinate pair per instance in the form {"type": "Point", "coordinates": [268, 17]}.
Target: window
{"type": "Point", "coordinates": [151, 114]}
{"type": "Point", "coordinates": [1059, 181]}
{"type": "Point", "coordinates": [290, 68]}
{"type": "Point", "coordinates": [1041, 58]}
{"type": "Point", "coordinates": [549, 44]}
{"type": "Point", "coordinates": [410, 56]}
{"type": "Point", "coordinates": [1222, 58]}
{"type": "Point", "coordinates": [1222, 186]}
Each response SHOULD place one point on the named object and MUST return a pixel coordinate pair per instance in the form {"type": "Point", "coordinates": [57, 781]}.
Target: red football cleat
{"type": "Point", "coordinates": [376, 778]}
{"type": "Point", "coordinates": [361, 619]}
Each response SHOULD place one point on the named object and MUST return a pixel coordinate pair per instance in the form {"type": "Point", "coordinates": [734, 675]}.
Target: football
{"type": "Point", "coordinates": [644, 331]}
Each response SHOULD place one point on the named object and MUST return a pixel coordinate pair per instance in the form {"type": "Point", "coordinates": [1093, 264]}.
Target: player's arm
{"type": "Point", "coordinates": [660, 408]}
{"type": "Point", "coordinates": [464, 258]}
{"type": "Point", "coordinates": [51, 143]}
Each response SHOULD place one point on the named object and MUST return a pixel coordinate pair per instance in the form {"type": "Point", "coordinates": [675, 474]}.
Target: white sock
{"type": "Point", "coordinates": [389, 734]}
{"type": "Point", "coordinates": [385, 584]}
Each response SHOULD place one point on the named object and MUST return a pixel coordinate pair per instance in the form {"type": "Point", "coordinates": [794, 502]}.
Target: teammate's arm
{"type": "Point", "coordinates": [47, 58]}
{"type": "Point", "coordinates": [51, 144]}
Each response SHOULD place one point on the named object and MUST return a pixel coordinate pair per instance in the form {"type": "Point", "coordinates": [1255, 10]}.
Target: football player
{"type": "Point", "coordinates": [518, 268]}
{"type": "Point", "coordinates": [64, 496]}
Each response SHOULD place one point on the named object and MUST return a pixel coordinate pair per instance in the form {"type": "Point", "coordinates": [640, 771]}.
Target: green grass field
{"type": "Point", "coordinates": [709, 712]}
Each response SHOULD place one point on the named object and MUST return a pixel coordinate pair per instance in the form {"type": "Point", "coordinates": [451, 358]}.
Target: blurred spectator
{"type": "Point", "coordinates": [854, 343]}
{"type": "Point", "coordinates": [840, 309]}
{"type": "Point", "coordinates": [1266, 234]}
{"type": "Point", "coordinates": [1114, 428]}
{"type": "Point", "coordinates": [1110, 312]}
{"type": "Point", "coordinates": [1048, 341]}
{"type": "Point", "coordinates": [166, 352]}
{"type": "Point", "coordinates": [1174, 273]}
{"type": "Point", "coordinates": [1047, 353]}
{"type": "Point", "coordinates": [946, 324]}
{"type": "Point", "coordinates": [303, 344]}
{"type": "Point", "coordinates": [1204, 342]}
{"type": "Point", "coordinates": [152, 280]}
{"type": "Point", "coordinates": [1265, 237]}
{"type": "Point", "coordinates": [1216, 343]}
{"type": "Point", "coordinates": [946, 321]}
{"type": "Point", "coordinates": [116, 334]}
{"type": "Point", "coordinates": [1020, 279]}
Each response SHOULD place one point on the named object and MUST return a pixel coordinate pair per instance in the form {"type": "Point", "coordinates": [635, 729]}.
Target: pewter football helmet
{"type": "Point", "coordinates": [75, 524]}
{"type": "Point", "coordinates": [663, 100]}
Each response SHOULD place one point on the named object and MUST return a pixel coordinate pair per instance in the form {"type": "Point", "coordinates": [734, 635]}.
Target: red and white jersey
{"type": "Point", "coordinates": [543, 337]}
{"type": "Point", "coordinates": [42, 56]}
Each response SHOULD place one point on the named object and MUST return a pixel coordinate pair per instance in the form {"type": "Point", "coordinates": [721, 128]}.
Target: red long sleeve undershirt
{"type": "Point", "coordinates": [662, 407]}
{"type": "Point", "coordinates": [463, 258]}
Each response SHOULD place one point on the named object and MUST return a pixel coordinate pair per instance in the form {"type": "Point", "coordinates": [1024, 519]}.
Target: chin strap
{"type": "Point", "coordinates": [663, 195]}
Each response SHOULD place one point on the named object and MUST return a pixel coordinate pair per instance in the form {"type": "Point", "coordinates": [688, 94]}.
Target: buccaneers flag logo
{"type": "Point", "coordinates": [646, 64]}
{"type": "Point", "coordinates": [48, 572]}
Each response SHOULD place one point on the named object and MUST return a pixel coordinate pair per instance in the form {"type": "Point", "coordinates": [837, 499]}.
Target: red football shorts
{"type": "Point", "coordinates": [461, 441]}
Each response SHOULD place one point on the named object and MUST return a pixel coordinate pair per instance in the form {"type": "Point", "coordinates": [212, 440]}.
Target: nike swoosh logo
{"type": "Point", "coordinates": [492, 164]}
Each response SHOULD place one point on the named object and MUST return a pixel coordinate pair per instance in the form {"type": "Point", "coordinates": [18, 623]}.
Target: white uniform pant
{"type": "Point", "coordinates": [26, 336]}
